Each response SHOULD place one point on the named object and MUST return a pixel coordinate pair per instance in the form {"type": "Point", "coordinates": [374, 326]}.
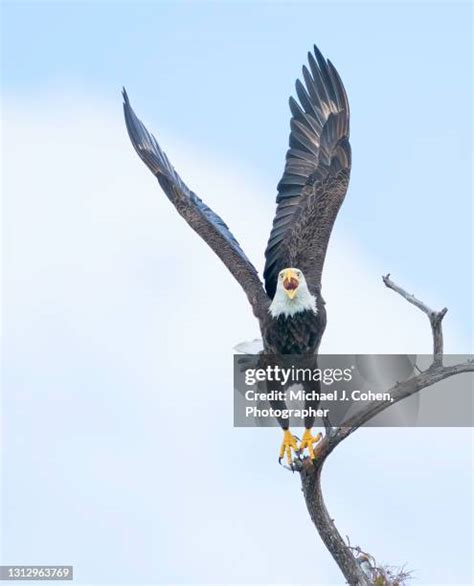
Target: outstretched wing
{"type": "Point", "coordinates": [316, 175]}
{"type": "Point", "coordinates": [196, 213]}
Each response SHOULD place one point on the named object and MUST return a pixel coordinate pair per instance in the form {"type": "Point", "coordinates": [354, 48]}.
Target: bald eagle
{"type": "Point", "coordinates": [289, 307]}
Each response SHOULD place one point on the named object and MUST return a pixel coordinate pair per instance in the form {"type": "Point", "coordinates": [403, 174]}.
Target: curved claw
{"type": "Point", "coordinates": [296, 466]}
{"type": "Point", "coordinates": [291, 467]}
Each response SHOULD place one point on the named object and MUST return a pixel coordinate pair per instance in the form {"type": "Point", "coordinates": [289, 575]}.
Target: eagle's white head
{"type": "Point", "coordinates": [292, 294]}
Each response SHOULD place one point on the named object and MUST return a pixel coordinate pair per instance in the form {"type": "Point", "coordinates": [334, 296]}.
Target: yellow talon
{"type": "Point", "coordinates": [289, 443]}
{"type": "Point", "coordinates": [308, 441]}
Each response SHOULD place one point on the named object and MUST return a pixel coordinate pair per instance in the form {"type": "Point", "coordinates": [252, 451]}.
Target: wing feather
{"type": "Point", "coordinates": [198, 215]}
{"type": "Point", "coordinates": [316, 175]}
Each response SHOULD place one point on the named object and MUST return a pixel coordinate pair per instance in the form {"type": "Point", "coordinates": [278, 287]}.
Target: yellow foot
{"type": "Point", "coordinates": [308, 441]}
{"type": "Point", "coordinates": [288, 444]}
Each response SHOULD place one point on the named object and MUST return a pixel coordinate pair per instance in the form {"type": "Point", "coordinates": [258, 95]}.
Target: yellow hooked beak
{"type": "Point", "coordinates": [291, 282]}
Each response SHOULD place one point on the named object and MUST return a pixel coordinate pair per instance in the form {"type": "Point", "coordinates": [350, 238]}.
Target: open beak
{"type": "Point", "coordinates": [290, 283]}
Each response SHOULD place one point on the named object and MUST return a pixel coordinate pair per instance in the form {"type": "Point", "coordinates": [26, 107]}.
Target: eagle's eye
{"type": "Point", "coordinates": [298, 273]}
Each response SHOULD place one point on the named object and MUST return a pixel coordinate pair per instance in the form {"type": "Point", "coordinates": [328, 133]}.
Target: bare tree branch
{"type": "Point", "coordinates": [343, 556]}
{"type": "Point", "coordinates": [435, 317]}
{"type": "Point", "coordinates": [398, 392]}
{"type": "Point", "coordinates": [352, 566]}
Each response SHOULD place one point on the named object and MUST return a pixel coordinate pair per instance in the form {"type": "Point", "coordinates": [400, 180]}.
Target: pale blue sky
{"type": "Point", "coordinates": [219, 75]}
{"type": "Point", "coordinates": [100, 462]}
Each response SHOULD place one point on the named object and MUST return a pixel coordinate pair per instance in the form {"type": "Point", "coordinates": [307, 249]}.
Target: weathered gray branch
{"type": "Point", "coordinates": [311, 470]}
{"type": "Point", "coordinates": [343, 556]}
{"type": "Point", "coordinates": [435, 317]}
{"type": "Point", "coordinates": [398, 392]}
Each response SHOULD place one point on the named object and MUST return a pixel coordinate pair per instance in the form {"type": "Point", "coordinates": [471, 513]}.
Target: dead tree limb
{"type": "Point", "coordinates": [311, 470]}
{"type": "Point", "coordinates": [435, 317]}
